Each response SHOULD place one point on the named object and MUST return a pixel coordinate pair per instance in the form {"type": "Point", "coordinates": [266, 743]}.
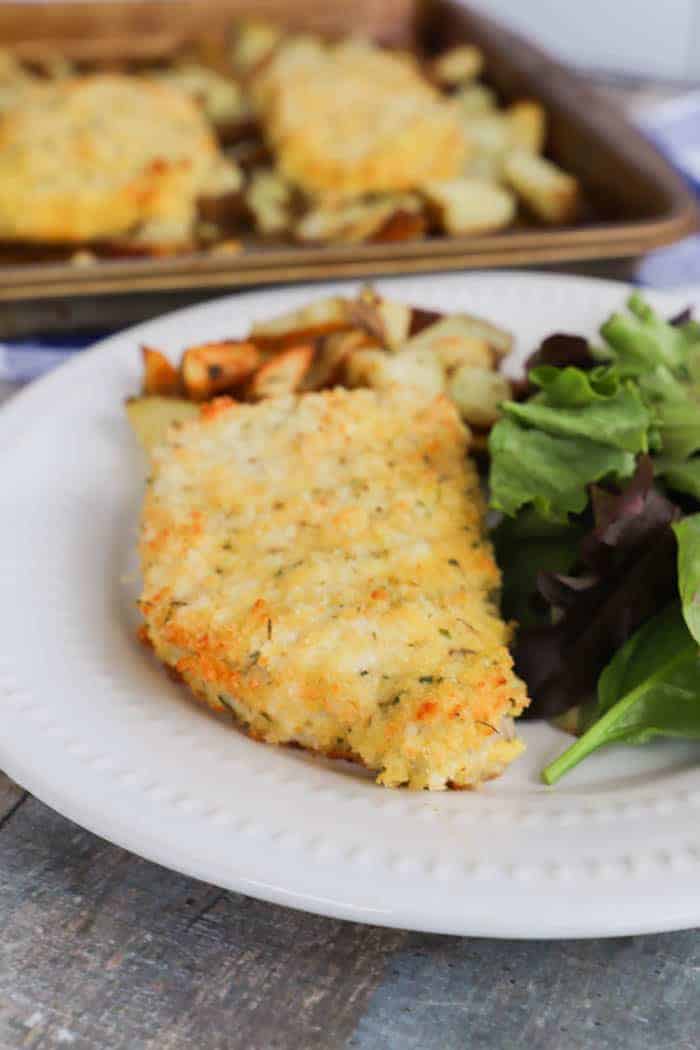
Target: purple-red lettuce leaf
{"type": "Point", "coordinates": [626, 572]}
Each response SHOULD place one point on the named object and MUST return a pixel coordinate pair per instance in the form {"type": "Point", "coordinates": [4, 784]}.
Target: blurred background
{"type": "Point", "coordinates": [629, 37]}
{"type": "Point", "coordinates": [643, 57]}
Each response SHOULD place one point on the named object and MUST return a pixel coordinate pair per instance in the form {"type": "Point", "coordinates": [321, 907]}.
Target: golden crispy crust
{"type": "Point", "coordinates": [317, 565]}
{"type": "Point", "coordinates": [98, 156]}
{"type": "Point", "coordinates": [353, 119]}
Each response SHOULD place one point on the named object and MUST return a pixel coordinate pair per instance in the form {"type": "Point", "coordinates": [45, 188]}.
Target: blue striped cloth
{"type": "Point", "coordinates": [674, 127]}
{"type": "Point", "coordinates": [25, 359]}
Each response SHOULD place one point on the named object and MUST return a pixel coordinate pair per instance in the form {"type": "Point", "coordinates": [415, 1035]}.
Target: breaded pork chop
{"type": "Point", "coordinates": [318, 565]}
{"type": "Point", "coordinates": [94, 157]}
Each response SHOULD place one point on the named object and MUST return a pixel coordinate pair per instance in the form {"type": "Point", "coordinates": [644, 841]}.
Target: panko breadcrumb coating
{"type": "Point", "coordinates": [318, 566]}
{"type": "Point", "coordinates": [351, 119]}
{"type": "Point", "coordinates": [95, 157]}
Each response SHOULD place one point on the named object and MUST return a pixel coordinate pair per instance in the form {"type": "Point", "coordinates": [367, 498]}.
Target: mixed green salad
{"type": "Point", "coordinates": [595, 473]}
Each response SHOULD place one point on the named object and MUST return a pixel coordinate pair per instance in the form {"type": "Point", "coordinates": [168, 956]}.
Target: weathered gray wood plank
{"type": "Point", "coordinates": [629, 993]}
{"type": "Point", "coordinates": [104, 950]}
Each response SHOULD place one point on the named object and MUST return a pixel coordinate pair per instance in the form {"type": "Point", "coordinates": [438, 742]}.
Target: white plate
{"type": "Point", "coordinates": [94, 728]}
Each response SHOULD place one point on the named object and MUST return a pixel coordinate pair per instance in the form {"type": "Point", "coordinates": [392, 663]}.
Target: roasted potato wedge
{"type": "Point", "coordinates": [500, 340]}
{"type": "Point", "coordinates": [332, 354]}
{"type": "Point", "coordinates": [388, 320]}
{"type": "Point", "coordinates": [281, 375]}
{"type": "Point", "coordinates": [475, 99]}
{"type": "Point", "coordinates": [459, 65]}
{"type": "Point", "coordinates": [151, 418]}
{"type": "Point", "coordinates": [463, 206]}
{"type": "Point", "coordinates": [379, 370]}
{"type": "Point", "coordinates": [160, 377]}
{"type": "Point", "coordinates": [303, 325]}
{"type": "Point", "coordinates": [489, 136]}
{"type": "Point", "coordinates": [215, 368]}
{"type": "Point", "coordinates": [454, 344]}
{"type": "Point", "coordinates": [477, 393]}
{"type": "Point", "coordinates": [528, 125]}
{"type": "Point", "coordinates": [549, 193]}
{"type": "Point", "coordinates": [350, 223]}
{"type": "Point", "coordinates": [367, 368]}
{"type": "Point", "coordinates": [268, 197]}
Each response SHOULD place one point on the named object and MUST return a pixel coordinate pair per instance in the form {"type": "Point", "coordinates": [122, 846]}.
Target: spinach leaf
{"type": "Point", "coordinates": [529, 466]}
{"type": "Point", "coordinates": [688, 535]}
{"type": "Point", "coordinates": [526, 546]}
{"type": "Point", "coordinates": [650, 688]}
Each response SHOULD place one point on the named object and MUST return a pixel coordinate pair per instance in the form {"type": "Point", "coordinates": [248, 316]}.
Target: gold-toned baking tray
{"type": "Point", "coordinates": [637, 202]}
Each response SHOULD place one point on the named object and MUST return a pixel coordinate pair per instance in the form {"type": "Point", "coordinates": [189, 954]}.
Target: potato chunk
{"type": "Point", "coordinates": [465, 206]}
{"type": "Point", "coordinates": [551, 194]}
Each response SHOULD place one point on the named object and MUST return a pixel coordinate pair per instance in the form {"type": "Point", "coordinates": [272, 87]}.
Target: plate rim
{"type": "Point", "coordinates": [686, 906]}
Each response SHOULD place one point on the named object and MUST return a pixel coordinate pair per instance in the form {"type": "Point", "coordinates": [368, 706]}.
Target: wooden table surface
{"type": "Point", "coordinates": [101, 950]}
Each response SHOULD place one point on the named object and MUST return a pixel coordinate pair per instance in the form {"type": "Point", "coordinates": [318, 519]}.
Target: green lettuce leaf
{"type": "Point", "coordinates": [650, 688]}
{"type": "Point", "coordinates": [595, 405]}
{"type": "Point", "coordinates": [688, 535]}
{"type": "Point", "coordinates": [679, 427]}
{"type": "Point", "coordinates": [680, 475]}
{"type": "Point", "coordinates": [642, 340]}
{"type": "Point", "coordinates": [529, 466]}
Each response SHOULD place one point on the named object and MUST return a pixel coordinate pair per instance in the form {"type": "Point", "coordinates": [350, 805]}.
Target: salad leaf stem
{"type": "Point", "coordinates": [688, 535]}
{"type": "Point", "coordinates": [650, 688]}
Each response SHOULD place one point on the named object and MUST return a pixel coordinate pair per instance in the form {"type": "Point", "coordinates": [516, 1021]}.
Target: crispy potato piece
{"type": "Point", "coordinates": [303, 325]}
{"type": "Point", "coordinates": [332, 354]}
{"type": "Point", "coordinates": [159, 375]}
{"type": "Point", "coordinates": [224, 179]}
{"type": "Point", "coordinates": [465, 350]}
{"type": "Point", "coordinates": [387, 320]}
{"type": "Point", "coordinates": [551, 194]}
{"type": "Point", "coordinates": [268, 197]}
{"type": "Point", "coordinates": [500, 340]}
{"type": "Point", "coordinates": [459, 65]}
{"type": "Point", "coordinates": [418, 368]}
{"type": "Point", "coordinates": [467, 205]}
{"type": "Point", "coordinates": [379, 370]}
{"type": "Point", "coordinates": [477, 393]}
{"type": "Point", "coordinates": [367, 368]}
{"type": "Point", "coordinates": [283, 374]}
{"type": "Point", "coordinates": [453, 349]}
{"type": "Point", "coordinates": [214, 368]}
{"type": "Point", "coordinates": [489, 134]}
{"type": "Point", "coordinates": [528, 125]}
{"type": "Point", "coordinates": [353, 222]}
{"type": "Point", "coordinates": [150, 418]}
{"type": "Point", "coordinates": [454, 344]}
{"type": "Point", "coordinates": [475, 99]}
